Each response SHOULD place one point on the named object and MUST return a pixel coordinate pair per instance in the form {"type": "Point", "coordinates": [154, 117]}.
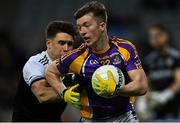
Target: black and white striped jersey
{"type": "Point", "coordinates": [160, 67]}
{"type": "Point", "coordinates": [26, 106]}
{"type": "Point", "coordinates": [35, 67]}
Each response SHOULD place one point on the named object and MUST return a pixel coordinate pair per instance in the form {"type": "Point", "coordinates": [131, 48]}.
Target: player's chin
{"type": "Point", "coordinates": [88, 43]}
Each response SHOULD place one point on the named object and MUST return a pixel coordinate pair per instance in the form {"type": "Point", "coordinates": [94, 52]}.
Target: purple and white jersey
{"type": "Point", "coordinates": [82, 60]}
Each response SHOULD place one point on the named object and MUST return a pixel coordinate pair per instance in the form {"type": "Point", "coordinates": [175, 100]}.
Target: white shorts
{"type": "Point", "coordinates": [127, 117]}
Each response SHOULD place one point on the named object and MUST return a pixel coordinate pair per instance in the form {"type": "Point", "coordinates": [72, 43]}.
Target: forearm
{"type": "Point", "coordinates": [49, 96]}
{"type": "Point", "coordinates": [44, 92]}
{"type": "Point", "coordinates": [53, 78]}
{"type": "Point", "coordinates": [138, 86]}
{"type": "Point", "coordinates": [55, 82]}
{"type": "Point", "coordinates": [133, 89]}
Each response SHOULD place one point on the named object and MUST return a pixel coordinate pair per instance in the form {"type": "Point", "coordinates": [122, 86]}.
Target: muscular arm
{"type": "Point", "coordinates": [138, 86]}
{"type": "Point", "coordinates": [53, 77]}
{"type": "Point", "coordinates": [44, 92]}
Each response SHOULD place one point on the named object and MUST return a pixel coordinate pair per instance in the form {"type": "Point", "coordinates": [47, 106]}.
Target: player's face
{"type": "Point", "coordinates": [158, 39]}
{"type": "Point", "coordinates": [60, 44]}
{"type": "Point", "coordinates": [89, 29]}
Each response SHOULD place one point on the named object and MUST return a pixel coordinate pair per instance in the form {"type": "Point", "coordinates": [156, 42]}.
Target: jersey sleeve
{"type": "Point", "coordinates": [65, 61]}
{"type": "Point", "coordinates": [63, 66]}
{"type": "Point", "coordinates": [33, 71]}
{"type": "Point", "coordinates": [72, 60]}
{"type": "Point", "coordinates": [134, 61]}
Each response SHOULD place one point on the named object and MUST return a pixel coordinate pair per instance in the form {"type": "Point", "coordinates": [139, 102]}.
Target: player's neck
{"type": "Point", "coordinates": [50, 55]}
{"type": "Point", "coordinates": [101, 46]}
{"type": "Point", "coordinates": [164, 49]}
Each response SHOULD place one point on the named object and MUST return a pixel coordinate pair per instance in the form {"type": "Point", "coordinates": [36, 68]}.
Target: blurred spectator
{"type": "Point", "coordinates": [163, 70]}
{"type": "Point", "coordinates": [160, 4]}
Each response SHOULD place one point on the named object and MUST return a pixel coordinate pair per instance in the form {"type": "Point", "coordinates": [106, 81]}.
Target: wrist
{"type": "Point", "coordinates": [61, 94]}
{"type": "Point", "coordinates": [118, 89]}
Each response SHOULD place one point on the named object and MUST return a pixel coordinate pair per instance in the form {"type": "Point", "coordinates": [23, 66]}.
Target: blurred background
{"type": "Point", "coordinates": [22, 24]}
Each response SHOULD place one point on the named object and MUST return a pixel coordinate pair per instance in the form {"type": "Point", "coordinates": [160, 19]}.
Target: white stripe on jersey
{"type": "Point", "coordinates": [35, 67]}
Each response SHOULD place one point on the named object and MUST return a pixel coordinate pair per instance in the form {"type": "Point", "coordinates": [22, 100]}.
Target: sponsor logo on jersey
{"type": "Point", "coordinates": [137, 62]}
{"type": "Point", "coordinates": [93, 62]}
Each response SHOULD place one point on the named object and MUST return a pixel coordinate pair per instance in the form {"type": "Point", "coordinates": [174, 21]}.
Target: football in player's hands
{"type": "Point", "coordinates": [107, 81]}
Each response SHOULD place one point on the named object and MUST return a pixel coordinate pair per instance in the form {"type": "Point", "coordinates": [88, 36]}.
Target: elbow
{"type": "Point", "coordinates": [42, 98]}
{"type": "Point", "coordinates": [39, 93]}
{"type": "Point", "coordinates": [143, 89]}
{"type": "Point", "coordinates": [42, 101]}
{"type": "Point", "coordinates": [142, 92]}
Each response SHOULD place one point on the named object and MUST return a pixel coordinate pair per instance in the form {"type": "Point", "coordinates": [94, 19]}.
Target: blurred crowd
{"type": "Point", "coordinates": [17, 44]}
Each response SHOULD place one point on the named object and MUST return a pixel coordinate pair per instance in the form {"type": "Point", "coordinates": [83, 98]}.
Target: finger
{"type": "Point", "coordinates": [98, 91]}
{"type": "Point", "coordinates": [110, 75]}
{"type": "Point", "coordinates": [74, 99]}
{"type": "Point", "coordinates": [95, 83]}
{"type": "Point", "coordinates": [75, 94]}
{"type": "Point", "coordinates": [76, 106]}
{"type": "Point", "coordinates": [99, 77]}
{"type": "Point", "coordinates": [97, 88]}
{"type": "Point", "coordinates": [75, 86]}
{"type": "Point", "coordinates": [76, 103]}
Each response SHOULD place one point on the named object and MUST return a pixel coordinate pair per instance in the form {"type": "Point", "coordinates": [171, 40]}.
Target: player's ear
{"type": "Point", "coordinates": [102, 26]}
{"type": "Point", "coordinates": [48, 43]}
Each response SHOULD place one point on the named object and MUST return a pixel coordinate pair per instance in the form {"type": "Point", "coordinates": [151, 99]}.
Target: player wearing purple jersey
{"type": "Point", "coordinates": [99, 50]}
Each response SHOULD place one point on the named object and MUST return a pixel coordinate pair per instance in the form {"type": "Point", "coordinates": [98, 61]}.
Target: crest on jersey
{"type": "Point", "coordinates": [116, 58]}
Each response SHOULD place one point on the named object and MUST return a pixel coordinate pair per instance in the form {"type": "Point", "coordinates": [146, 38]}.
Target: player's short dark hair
{"type": "Point", "coordinates": [55, 27]}
{"type": "Point", "coordinates": [160, 27]}
{"type": "Point", "coordinates": [97, 8]}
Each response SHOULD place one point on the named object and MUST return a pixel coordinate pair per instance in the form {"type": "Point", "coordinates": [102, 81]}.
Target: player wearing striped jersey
{"type": "Point", "coordinates": [36, 100]}
{"type": "Point", "coordinates": [98, 50]}
{"type": "Point", "coordinates": [162, 102]}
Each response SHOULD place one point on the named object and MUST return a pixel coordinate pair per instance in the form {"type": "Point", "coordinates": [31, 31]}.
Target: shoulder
{"type": "Point", "coordinates": [125, 47]}
{"type": "Point", "coordinates": [39, 60]}
{"type": "Point", "coordinates": [34, 67]}
{"type": "Point", "coordinates": [174, 52]}
{"type": "Point", "coordinates": [123, 43]}
{"type": "Point", "coordinates": [72, 54]}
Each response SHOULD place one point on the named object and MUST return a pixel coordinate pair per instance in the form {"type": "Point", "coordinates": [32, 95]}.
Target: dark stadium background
{"type": "Point", "coordinates": [22, 24]}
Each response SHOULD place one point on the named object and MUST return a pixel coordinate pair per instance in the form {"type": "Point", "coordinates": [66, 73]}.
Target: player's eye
{"type": "Point", "coordinates": [70, 43]}
{"type": "Point", "coordinates": [87, 25]}
{"type": "Point", "coordinates": [63, 42]}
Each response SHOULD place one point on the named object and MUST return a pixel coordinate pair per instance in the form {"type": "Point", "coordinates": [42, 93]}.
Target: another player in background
{"type": "Point", "coordinates": [163, 70]}
{"type": "Point", "coordinates": [36, 100]}
{"type": "Point", "coordinates": [99, 49]}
